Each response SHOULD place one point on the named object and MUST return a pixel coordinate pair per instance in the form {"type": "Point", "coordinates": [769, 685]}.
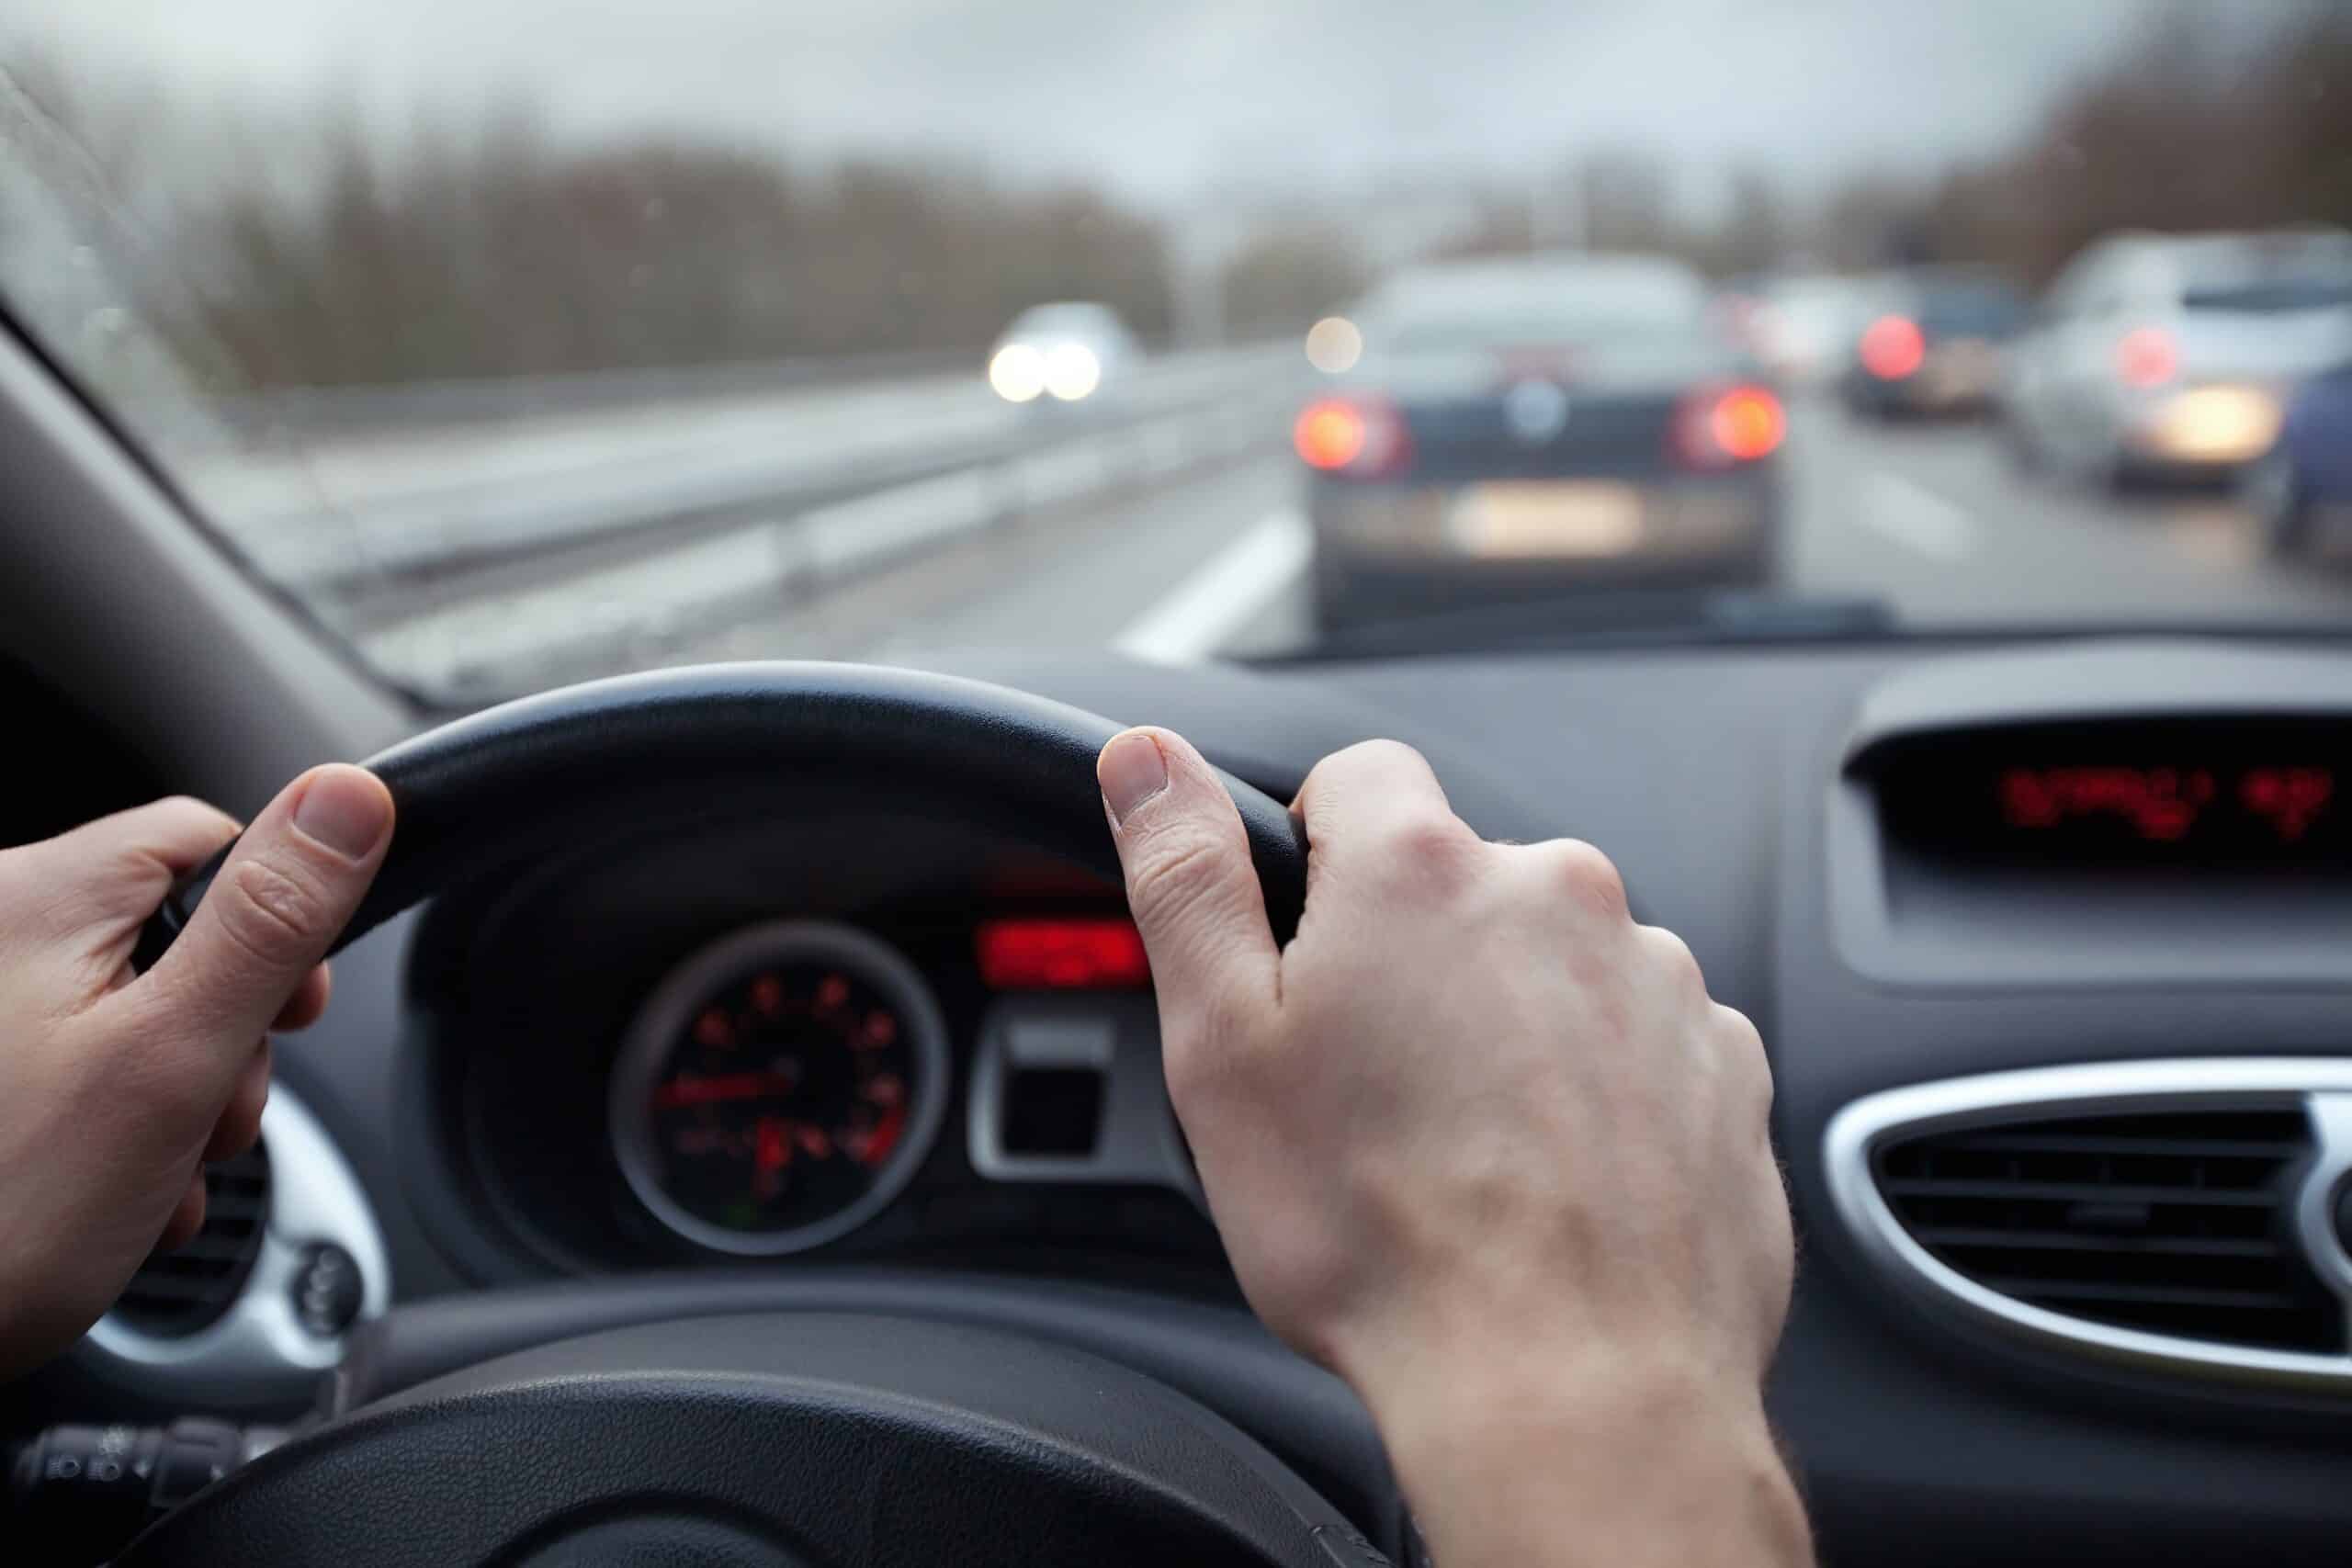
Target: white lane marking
{"type": "Point", "coordinates": [1222, 594]}
{"type": "Point", "coordinates": [1915, 515]}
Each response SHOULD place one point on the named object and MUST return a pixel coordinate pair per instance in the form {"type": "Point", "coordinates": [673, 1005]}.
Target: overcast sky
{"type": "Point", "coordinates": [1166, 97]}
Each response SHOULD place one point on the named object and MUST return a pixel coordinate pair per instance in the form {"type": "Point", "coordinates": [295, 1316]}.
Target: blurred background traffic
{"type": "Point", "coordinates": [521, 344]}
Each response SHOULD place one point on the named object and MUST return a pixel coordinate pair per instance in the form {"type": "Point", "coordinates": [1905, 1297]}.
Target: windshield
{"type": "Point", "coordinates": [520, 342]}
{"type": "Point", "coordinates": [2275, 295]}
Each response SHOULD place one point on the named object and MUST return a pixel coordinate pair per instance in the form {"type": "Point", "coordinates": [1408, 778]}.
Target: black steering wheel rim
{"type": "Point", "coordinates": [529, 773]}
{"type": "Point", "coordinates": [783, 1441]}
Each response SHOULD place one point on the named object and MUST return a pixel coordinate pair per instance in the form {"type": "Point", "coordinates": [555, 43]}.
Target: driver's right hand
{"type": "Point", "coordinates": [1480, 1143]}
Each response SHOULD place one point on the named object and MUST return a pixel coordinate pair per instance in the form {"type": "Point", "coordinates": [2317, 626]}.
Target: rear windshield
{"type": "Point", "coordinates": [1992, 313]}
{"type": "Point", "coordinates": [1083, 319]}
{"type": "Point", "coordinates": [2274, 296]}
{"type": "Point", "coordinates": [1601, 316]}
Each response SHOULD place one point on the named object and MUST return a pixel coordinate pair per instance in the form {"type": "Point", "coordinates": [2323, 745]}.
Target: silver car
{"type": "Point", "coordinates": [2160, 356]}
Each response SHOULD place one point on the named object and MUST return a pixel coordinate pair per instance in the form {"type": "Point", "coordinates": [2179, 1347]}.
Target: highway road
{"type": "Point", "coordinates": [1930, 520]}
{"type": "Point", "coordinates": [887, 519]}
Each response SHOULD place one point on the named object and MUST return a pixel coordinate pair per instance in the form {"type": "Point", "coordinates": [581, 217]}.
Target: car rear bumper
{"type": "Point", "coordinates": [1921, 394]}
{"type": "Point", "coordinates": [1387, 549]}
{"type": "Point", "coordinates": [2204, 431]}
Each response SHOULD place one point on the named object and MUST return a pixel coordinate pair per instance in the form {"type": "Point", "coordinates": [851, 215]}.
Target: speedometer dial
{"type": "Point", "coordinates": [780, 1087]}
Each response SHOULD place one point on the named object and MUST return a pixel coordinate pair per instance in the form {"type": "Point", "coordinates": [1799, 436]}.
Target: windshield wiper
{"type": "Point", "coordinates": [1642, 618]}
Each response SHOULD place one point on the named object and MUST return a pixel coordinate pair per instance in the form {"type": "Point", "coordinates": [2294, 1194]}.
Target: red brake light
{"type": "Point", "coordinates": [1892, 347]}
{"type": "Point", "coordinates": [1360, 437]}
{"type": "Point", "coordinates": [1724, 425]}
{"type": "Point", "coordinates": [1329, 433]}
{"type": "Point", "coordinates": [2147, 358]}
{"type": "Point", "coordinates": [1747, 424]}
{"type": "Point", "coordinates": [1062, 954]}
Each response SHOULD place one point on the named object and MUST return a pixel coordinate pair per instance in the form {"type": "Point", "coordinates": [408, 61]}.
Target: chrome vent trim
{"type": "Point", "coordinates": [188, 1290]}
{"type": "Point", "coordinates": [2319, 1086]}
{"type": "Point", "coordinates": [259, 1348]}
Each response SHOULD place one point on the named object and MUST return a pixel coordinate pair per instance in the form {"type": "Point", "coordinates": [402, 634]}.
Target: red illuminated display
{"type": "Point", "coordinates": [2163, 805]}
{"type": "Point", "coordinates": [1062, 954]}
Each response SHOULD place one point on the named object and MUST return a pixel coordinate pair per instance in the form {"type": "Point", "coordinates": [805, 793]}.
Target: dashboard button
{"type": "Point", "coordinates": [327, 1290]}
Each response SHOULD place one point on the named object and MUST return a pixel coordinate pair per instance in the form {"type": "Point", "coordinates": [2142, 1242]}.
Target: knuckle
{"type": "Point", "coordinates": [196, 808]}
{"type": "Point", "coordinates": [1425, 849]}
{"type": "Point", "coordinates": [273, 913]}
{"type": "Point", "coordinates": [1590, 876]}
{"type": "Point", "coordinates": [1674, 957]}
{"type": "Point", "coordinates": [1741, 1047]}
{"type": "Point", "coordinates": [1386, 753]}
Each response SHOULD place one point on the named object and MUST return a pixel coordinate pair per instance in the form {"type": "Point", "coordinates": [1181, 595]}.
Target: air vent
{"type": "Point", "coordinates": [178, 1292]}
{"type": "Point", "coordinates": [2174, 1223]}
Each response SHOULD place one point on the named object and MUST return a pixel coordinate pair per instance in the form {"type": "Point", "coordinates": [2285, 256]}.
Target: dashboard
{"type": "Point", "coordinates": [721, 1043]}
{"type": "Point", "coordinates": [2051, 943]}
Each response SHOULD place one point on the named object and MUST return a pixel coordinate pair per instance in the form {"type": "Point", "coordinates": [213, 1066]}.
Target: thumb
{"type": "Point", "coordinates": [292, 883]}
{"type": "Point", "coordinates": [1191, 886]}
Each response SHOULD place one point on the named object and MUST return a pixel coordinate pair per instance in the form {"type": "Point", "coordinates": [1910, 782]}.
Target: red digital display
{"type": "Point", "coordinates": [1062, 954]}
{"type": "Point", "coordinates": [2280, 805]}
{"type": "Point", "coordinates": [2224, 797]}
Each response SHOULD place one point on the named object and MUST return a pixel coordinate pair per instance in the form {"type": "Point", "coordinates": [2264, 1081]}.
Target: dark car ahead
{"type": "Point", "coordinates": [1941, 349]}
{"type": "Point", "coordinates": [2302, 490]}
{"type": "Point", "coordinates": [1519, 429]}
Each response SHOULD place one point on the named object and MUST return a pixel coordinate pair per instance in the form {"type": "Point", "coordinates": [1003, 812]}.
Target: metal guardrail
{"type": "Point", "coordinates": [810, 451]}
{"type": "Point", "coordinates": [611, 616]}
{"type": "Point", "coordinates": [413, 405]}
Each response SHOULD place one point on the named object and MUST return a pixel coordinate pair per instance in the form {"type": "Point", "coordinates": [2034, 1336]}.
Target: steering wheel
{"type": "Point", "coordinates": [813, 1439]}
{"type": "Point", "coordinates": [543, 772]}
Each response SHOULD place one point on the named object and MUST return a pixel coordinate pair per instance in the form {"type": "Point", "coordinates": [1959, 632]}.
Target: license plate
{"type": "Point", "coordinates": [1547, 518]}
{"type": "Point", "coordinates": [1964, 369]}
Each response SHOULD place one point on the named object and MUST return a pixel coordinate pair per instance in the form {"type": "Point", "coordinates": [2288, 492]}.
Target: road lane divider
{"type": "Point", "coordinates": [1224, 594]}
{"type": "Point", "coordinates": [1916, 517]}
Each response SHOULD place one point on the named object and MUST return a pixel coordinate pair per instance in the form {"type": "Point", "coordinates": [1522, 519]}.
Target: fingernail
{"type": "Point", "coordinates": [345, 809]}
{"type": "Point", "coordinates": [1131, 771]}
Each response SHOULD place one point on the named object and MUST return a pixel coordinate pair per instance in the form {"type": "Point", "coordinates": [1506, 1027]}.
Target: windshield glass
{"type": "Point", "coordinates": [2275, 295]}
{"type": "Point", "coordinates": [520, 342]}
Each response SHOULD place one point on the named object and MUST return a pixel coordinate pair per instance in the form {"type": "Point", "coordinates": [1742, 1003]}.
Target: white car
{"type": "Point", "coordinates": [1064, 353]}
{"type": "Point", "coordinates": [2162, 357]}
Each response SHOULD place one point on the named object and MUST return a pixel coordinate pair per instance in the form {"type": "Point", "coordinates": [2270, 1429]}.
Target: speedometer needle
{"type": "Point", "coordinates": [680, 1093]}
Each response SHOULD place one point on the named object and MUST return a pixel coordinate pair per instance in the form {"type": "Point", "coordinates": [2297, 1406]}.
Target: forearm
{"type": "Point", "coordinates": [1607, 1466]}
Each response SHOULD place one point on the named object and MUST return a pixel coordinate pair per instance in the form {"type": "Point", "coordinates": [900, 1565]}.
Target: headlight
{"type": "Point", "coordinates": [1072, 371]}
{"type": "Point", "coordinates": [2215, 424]}
{"type": "Point", "coordinates": [1018, 372]}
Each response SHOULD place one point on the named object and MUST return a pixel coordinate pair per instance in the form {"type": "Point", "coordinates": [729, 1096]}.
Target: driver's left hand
{"type": "Point", "coordinates": [116, 1087]}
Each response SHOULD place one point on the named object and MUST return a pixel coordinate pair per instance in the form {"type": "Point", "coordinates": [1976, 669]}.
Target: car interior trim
{"type": "Point", "coordinates": [1136, 1138]}
{"type": "Point", "coordinates": [260, 1344]}
{"type": "Point", "coordinates": [2321, 1087]}
{"type": "Point", "coordinates": [119, 603]}
{"type": "Point", "coordinates": [1902, 924]}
